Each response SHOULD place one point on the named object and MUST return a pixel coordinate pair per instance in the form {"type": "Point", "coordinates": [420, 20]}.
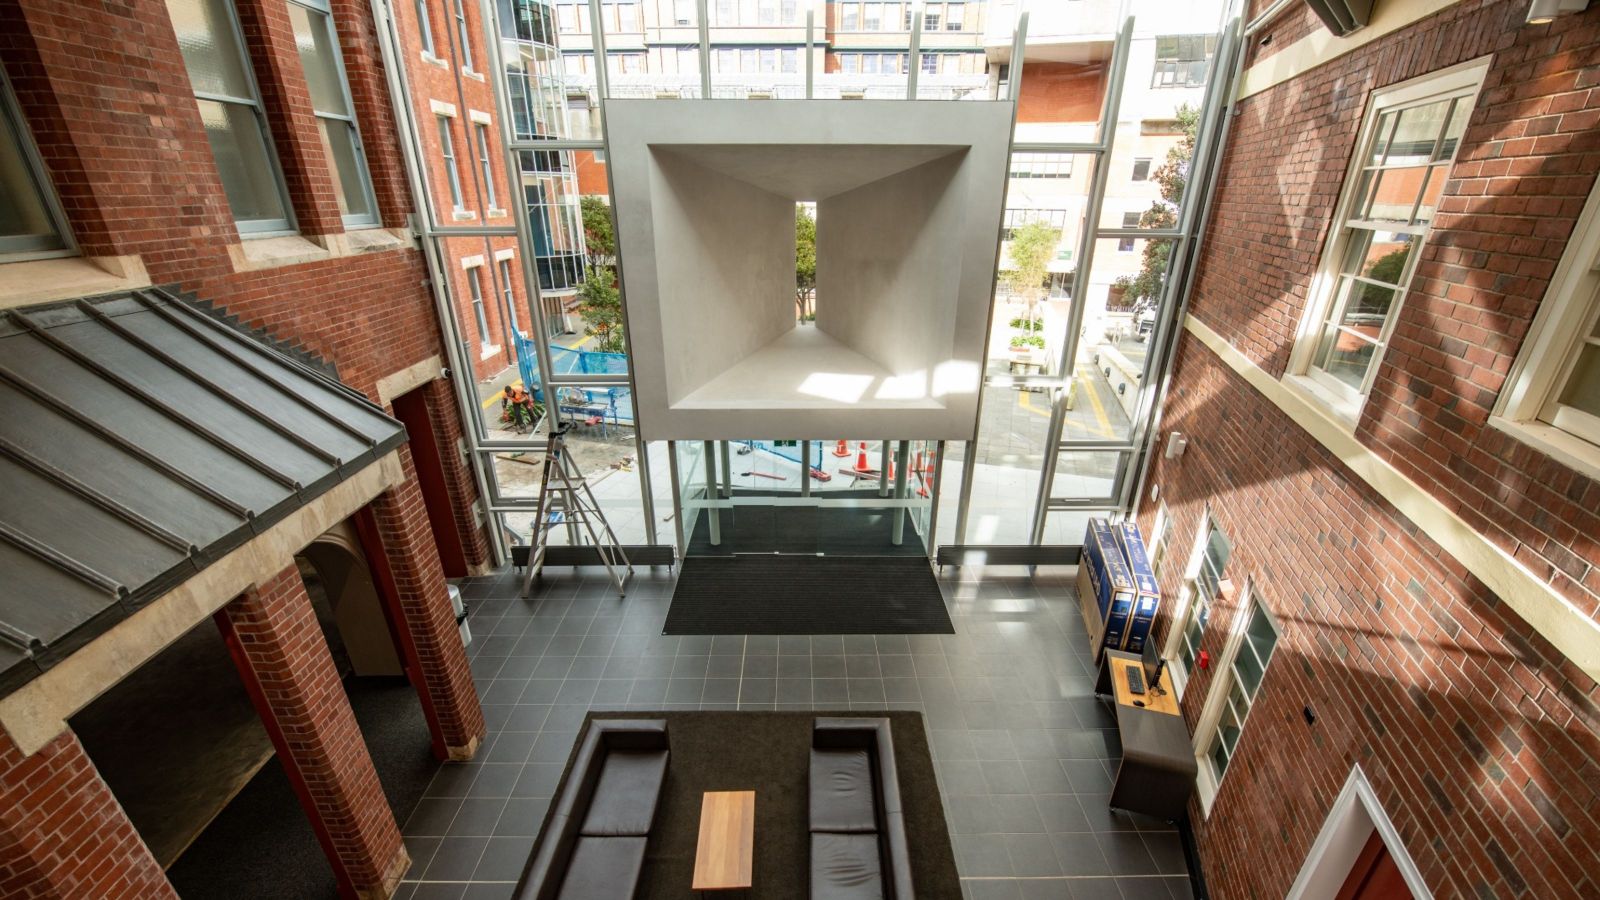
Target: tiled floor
{"type": "Point", "coordinates": [1024, 753]}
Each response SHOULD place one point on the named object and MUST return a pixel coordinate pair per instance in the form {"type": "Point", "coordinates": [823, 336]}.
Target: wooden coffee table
{"type": "Point", "coordinates": [722, 858]}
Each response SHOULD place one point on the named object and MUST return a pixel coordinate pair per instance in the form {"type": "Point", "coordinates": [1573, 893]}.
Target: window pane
{"type": "Point", "coordinates": [1218, 549]}
{"type": "Point", "coordinates": [1583, 387]}
{"type": "Point", "coordinates": [1394, 194]}
{"type": "Point", "coordinates": [1453, 131]}
{"type": "Point", "coordinates": [1379, 255]}
{"type": "Point", "coordinates": [1262, 634]}
{"type": "Point", "coordinates": [1380, 138]}
{"type": "Point", "coordinates": [1368, 309]}
{"type": "Point", "coordinates": [240, 148]}
{"type": "Point", "coordinates": [338, 139]}
{"type": "Point", "coordinates": [1345, 356]}
{"type": "Point", "coordinates": [210, 47]}
{"type": "Point", "coordinates": [24, 220]}
{"type": "Point", "coordinates": [1430, 193]}
{"type": "Point", "coordinates": [1416, 134]}
{"type": "Point", "coordinates": [312, 35]}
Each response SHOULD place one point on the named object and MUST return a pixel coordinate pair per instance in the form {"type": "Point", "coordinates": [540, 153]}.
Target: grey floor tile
{"type": "Point", "coordinates": [1125, 853]}
{"type": "Point", "coordinates": [503, 859]}
{"type": "Point", "coordinates": [1032, 856]}
{"type": "Point", "coordinates": [1079, 854]}
{"type": "Point", "coordinates": [456, 859]}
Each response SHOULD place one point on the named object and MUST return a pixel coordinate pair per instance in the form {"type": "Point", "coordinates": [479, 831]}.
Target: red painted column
{"type": "Point", "coordinates": [273, 635]}
{"type": "Point", "coordinates": [63, 834]}
{"type": "Point", "coordinates": [398, 541]}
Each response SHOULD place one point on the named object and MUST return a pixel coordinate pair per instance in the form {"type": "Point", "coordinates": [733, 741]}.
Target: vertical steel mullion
{"type": "Point", "coordinates": [913, 59]}
{"type": "Point", "coordinates": [883, 469]}
{"type": "Point", "coordinates": [713, 501]}
{"type": "Point", "coordinates": [520, 215]}
{"type": "Point", "coordinates": [933, 494]}
{"type": "Point", "coordinates": [969, 462]}
{"type": "Point", "coordinates": [1068, 367]}
{"type": "Point", "coordinates": [597, 40]}
{"type": "Point", "coordinates": [1196, 196]}
{"type": "Point", "coordinates": [811, 16]}
{"type": "Point", "coordinates": [805, 468]}
{"type": "Point", "coordinates": [677, 497]}
{"type": "Point", "coordinates": [705, 50]}
{"type": "Point", "coordinates": [389, 48]}
{"type": "Point", "coordinates": [902, 456]}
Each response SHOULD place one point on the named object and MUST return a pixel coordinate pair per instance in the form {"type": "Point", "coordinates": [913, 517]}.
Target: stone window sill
{"type": "Point", "coordinates": [1572, 452]}
{"type": "Point", "coordinates": [294, 249]}
{"type": "Point", "coordinates": [44, 280]}
{"type": "Point", "coordinates": [464, 215]}
{"type": "Point", "coordinates": [496, 214]}
{"type": "Point", "coordinates": [468, 73]}
{"type": "Point", "coordinates": [488, 351]}
{"type": "Point", "coordinates": [432, 60]}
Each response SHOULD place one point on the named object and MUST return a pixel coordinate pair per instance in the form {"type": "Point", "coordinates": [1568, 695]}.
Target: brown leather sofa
{"type": "Point", "coordinates": [858, 831]}
{"type": "Point", "coordinates": [594, 843]}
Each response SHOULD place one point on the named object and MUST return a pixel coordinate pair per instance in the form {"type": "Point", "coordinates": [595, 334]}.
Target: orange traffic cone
{"type": "Point", "coordinates": [862, 465]}
{"type": "Point", "coordinates": [842, 449]}
{"type": "Point", "coordinates": [917, 465]}
{"type": "Point", "coordinates": [890, 475]}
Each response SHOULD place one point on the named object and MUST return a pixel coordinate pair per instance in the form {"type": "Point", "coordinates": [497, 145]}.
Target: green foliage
{"type": "Point", "coordinates": [1028, 340]}
{"type": "Point", "coordinates": [600, 242]}
{"type": "Point", "coordinates": [1027, 325]}
{"type": "Point", "coordinates": [1171, 177]}
{"type": "Point", "coordinates": [601, 309]}
{"type": "Point", "coordinates": [805, 261]}
{"type": "Point", "coordinates": [1033, 245]}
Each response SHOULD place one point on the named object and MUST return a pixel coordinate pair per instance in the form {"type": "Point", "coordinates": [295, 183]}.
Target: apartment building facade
{"type": "Point", "coordinates": [1382, 533]}
{"type": "Point", "coordinates": [246, 154]}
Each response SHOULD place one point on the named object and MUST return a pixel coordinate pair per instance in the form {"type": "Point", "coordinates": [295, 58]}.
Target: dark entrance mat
{"type": "Point", "coordinates": [769, 753]}
{"type": "Point", "coordinates": [830, 530]}
{"type": "Point", "coordinates": [807, 595]}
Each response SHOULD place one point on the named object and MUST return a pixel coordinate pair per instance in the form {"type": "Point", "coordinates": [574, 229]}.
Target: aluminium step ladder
{"type": "Point", "coordinates": [565, 499]}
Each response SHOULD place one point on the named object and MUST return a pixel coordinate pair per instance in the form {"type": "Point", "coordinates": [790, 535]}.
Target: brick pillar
{"type": "Point", "coordinates": [63, 834]}
{"type": "Point", "coordinates": [447, 424]}
{"type": "Point", "coordinates": [398, 542]}
{"type": "Point", "coordinates": [273, 635]}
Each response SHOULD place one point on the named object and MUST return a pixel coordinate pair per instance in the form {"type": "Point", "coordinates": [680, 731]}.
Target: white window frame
{"type": "Point", "coordinates": [1208, 727]}
{"type": "Point", "coordinates": [464, 33]}
{"type": "Point", "coordinates": [324, 8]}
{"type": "Point", "coordinates": [1525, 408]}
{"type": "Point", "coordinates": [22, 247]}
{"type": "Point", "coordinates": [1160, 540]}
{"type": "Point", "coordinates": [425, 29]}
{"type": "Point", "coordinates": [1189, 601]}
{"type": "Point", "coordinates": [1354, 816]}
{"type": "Point", "coordinates": [447, 152]}
{"type": "Point", "coordinates": [1148, 163]}
{"type": "Point", "coordinates": [505, 273]}
{"type": "Point", "coordinates": [480, 133]}
{"type": "Point", "coordinates": [475, 294]}
{"type": "Point", "coordinates": [1462, 81]}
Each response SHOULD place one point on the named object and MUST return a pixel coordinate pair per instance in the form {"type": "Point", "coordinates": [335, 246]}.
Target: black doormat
{"type": "Point", "coordinates": [770, 753]}
{"type": "Point", "coordinates": [831, 530]}
{"type": "Point", "coordinates": [807, 595]}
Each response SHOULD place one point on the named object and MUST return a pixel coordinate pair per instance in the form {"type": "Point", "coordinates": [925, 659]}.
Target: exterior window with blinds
{"type": "Point", "coordinates": [509, 293]}
{"type": "Point", "coordinates": [464, 34]}
{"type": "Point", "coordinates": [425, 25]}
{"type": "Point", "coordinates": [230, 109]}
{"type": "Point", "coordinates": [318, 43]}
{"type": "Point", "coordinates": [483, 165]}
{"type": "Point", "coordinates": [475, 286]}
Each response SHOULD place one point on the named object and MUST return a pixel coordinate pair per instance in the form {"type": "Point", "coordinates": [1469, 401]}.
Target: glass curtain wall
{"type": "Point", "coordinates": [1080, 295]}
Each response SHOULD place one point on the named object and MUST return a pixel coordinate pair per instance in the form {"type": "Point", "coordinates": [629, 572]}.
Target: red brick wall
{"type": "Point", "coordinates": [1292, 23]}
{"type": "Point", "coordinates": [1062, 92]}
{"type": "Point", "coordinates": [62, 833]}
{"type": "Point", "coordinates": [123, 145]}
{"type": "Point", "coordinates": [1482, 741]}
{"type": "Point", "coordinates": [1526, 164]}
{"type": "Point", "coordinates": [402, 520]}
{"type": "Point", "coordinates": [457, 469]}
{"type": "Point", "coordinates": [278, 645]}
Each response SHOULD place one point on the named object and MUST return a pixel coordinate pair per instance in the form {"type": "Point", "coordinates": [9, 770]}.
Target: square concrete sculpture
{"type": "Point", "coordinates": [908, 198]}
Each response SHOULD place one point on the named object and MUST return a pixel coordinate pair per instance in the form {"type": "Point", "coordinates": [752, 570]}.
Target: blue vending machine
{"type": "Point", "coordinates": [1147, 594]}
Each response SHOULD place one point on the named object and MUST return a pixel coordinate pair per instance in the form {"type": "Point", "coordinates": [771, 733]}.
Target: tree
{"type": "Point", "coordinates": [600, 304]}
{"type": "Point", "coordinates": [1172, 176]}
{"type": "Point", "coordinates": [805, 262]}
{"type": "Point", "coordinates": [599, 241]}
{"type": "Point", "coordinates": [1033, 245]}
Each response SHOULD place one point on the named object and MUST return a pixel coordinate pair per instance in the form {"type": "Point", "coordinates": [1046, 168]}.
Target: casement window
{"type": "Point", "coordinates": [447, 150]}
{"type": "Point", "coordinates": [475, 288]}
{"type": "Point", "coordinates": [929, 64]}
{"type": "Point", "coordinates": [481, 131]}
{"type": "Point", "coordinates": [31, 223]}
{"type": "Point", "coordinates": [1552, 396]}
{"type": "Point", "coordinates": [850, 18]}
{"type": "Point", "coordinates": [1407, 144]}
{"type": "Point", "coordinates": [954, 16]}
{"type": "Point", "coordinates": [1141, 169]}
{"type": "Point", "coordinates": [1202, 584]}
{"type": "Point", "coordinates": [425, 27]}
{"type": "Point", "coordinates": [318, 43]}
{"type": "Point", "coordinates": [1243, 667]}
{"type": "Point", "coordinates": [1181, 60]}
{"type": "Point", "coordinates": [230, 109]}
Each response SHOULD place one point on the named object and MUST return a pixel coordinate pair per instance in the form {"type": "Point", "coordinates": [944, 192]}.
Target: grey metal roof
{"type": "Point", "coordinates": [140, 441]}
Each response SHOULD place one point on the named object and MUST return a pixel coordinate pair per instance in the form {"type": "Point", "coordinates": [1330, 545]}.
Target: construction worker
{"type": "Point", "coordinates": [516, 408]}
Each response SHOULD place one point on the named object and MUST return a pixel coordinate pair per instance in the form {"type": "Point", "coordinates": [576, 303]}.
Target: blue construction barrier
{"type": "Point", "coordinates": [599, 406]}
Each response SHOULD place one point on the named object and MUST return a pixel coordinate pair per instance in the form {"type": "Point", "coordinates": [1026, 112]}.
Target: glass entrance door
{"type": "Point", "coordinates": [830, 498]}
